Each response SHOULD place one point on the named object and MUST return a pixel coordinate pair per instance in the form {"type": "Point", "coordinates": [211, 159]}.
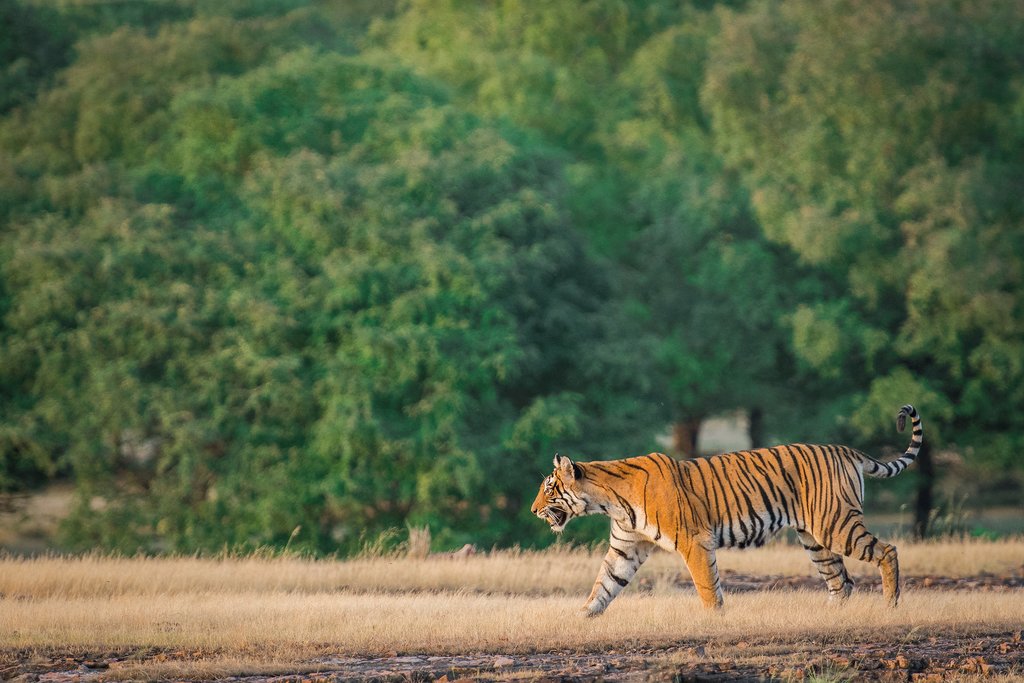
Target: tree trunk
{"type": "Point", "coordinates": [755, 427]}
{"type": "Point", "coordinates": [926, 480]}
{"type": "Point", "coordinates": [684, 437]}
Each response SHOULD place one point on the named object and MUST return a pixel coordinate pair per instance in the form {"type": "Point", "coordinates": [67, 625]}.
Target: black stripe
{"type": "Point", "coordinates": [786, 515]}
{"type": "Point", "coordinates": [657, 463]}
{"type": "Point", "coordinates": [849, 515]}
{"type": "Point", "coordinates": [688, 468]}
{"type": "Point", "coordinates": [752, 482]}
{"type": "Point", "coordinates": [869, 552]}
{"type": "Point", "coordinates": [647, 481]}
{"type": "Point", "coordinates": [727, 512]}
{"type": "Point", "coordinates": [830, 577]}
{"type": "Point", "coordinates": [813, 466]}
{"type": "Point", "coordinates": [761, 484]}
{"type": "Point", "coordinates": [602, 468]}
{"type": "Point", "coordinates": [786, 476]}
{"type": "Point", "coordinates": [677, 483]}
{"type": "Point", "coordinates": [617, 579]}
{"type": "Point", "coordinates": [628, 508]}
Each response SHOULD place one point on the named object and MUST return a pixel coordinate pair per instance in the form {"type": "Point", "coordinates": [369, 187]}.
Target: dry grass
{"type": "Point", "coordinates": [283, 624]}
{"type": "Point", "coordinates": [279, 615]}
{"type": "Point", "coordinates": [559, 571]}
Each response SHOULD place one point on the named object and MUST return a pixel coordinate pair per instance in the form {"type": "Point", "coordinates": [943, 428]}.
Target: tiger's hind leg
{"type": "Point", "coordinates": [703, 568]}
{"type": "Point", "coordinates": [830, 567]}
{"type": "Point", "coordinates": [859, 543]}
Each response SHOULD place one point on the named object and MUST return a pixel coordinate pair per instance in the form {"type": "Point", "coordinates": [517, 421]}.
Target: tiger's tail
{"type": "Point", "coordinates": [884, 470]}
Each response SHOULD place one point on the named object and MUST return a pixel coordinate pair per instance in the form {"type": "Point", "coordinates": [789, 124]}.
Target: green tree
{"type": "Point", "coordinates": [33, 45]}
{"type": "Point", "coordinates": [705, 283]}
{"type": "Point", "coordinates": [616, 84]}
{"type": "Point", "coordinates": [882, 144]}
{"type": "Point", "coordinates": [313, 294]}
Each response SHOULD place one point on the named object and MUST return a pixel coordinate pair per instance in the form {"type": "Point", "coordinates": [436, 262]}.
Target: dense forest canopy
{"type": "Point", "coordinates": [299, 273]}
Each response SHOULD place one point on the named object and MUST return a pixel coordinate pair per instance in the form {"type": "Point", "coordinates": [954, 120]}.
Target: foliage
{"type": "Point", "coordinates": [882, 145]}
{"type": "Point", "coordinates": [32, 47]}
{"type": "Point", "coordinates": [351, 267]}
{"type": "Point", "coordinates": [618, 85]}
{"type": "Point", "coordinates": [353, 303]}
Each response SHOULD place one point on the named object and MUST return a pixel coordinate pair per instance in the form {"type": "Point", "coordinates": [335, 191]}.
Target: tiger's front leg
{"type": "Point", "coordinates": [626, 552]}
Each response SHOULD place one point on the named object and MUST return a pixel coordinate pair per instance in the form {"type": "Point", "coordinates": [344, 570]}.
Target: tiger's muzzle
{"type": "Point", "coordinates": [556, 517]}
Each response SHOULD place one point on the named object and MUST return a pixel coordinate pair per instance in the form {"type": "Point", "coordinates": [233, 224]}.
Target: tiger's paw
{"type": "Point", "coordinates": [592, 610]}
{"type": "Point", "coordinates": [839, 597]}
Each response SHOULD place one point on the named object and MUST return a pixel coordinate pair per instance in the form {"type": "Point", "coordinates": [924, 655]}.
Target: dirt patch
{"type": "Point", "coordinates": [928, 659]}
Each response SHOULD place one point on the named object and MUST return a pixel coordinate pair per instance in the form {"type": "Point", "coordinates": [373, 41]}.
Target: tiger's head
{"type": "Point", "coordinates": [560, 497]}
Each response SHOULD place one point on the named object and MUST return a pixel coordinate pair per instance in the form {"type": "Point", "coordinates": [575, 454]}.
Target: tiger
{"type": "Point", "coordinates": [738, 499]}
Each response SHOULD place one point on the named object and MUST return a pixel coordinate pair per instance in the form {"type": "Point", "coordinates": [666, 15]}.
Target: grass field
{"type": "Point", "coordinates": [211, 618]}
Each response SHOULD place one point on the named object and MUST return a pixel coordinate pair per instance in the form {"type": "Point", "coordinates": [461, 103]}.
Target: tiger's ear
{"type": "Point", "coordinates": [567, 468]}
